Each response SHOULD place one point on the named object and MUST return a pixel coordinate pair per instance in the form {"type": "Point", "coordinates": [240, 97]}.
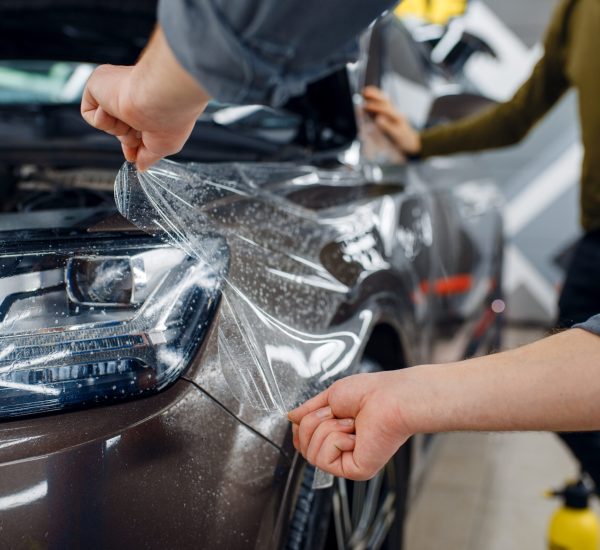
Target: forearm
{"type": "Point", "coordinates": [158, 79]}
{"type": "Point", "coordinates": [553, 385]}
{"type": "Point", "coordinates": [497, 126]}
{"type": "Point", "coordinates": [264, 51]}
{"type": "Point", "coordinates": [151, 107]}
{"type": "Point", "coordinates": [509, 122]}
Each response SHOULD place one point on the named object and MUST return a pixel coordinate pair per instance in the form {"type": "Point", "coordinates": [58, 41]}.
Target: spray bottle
{"type": "Point", "coordinates": [574, 526]}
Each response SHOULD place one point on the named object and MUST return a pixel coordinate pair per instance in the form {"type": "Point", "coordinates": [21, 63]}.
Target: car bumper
{"type": "Point", "coordinates": [175, 470]}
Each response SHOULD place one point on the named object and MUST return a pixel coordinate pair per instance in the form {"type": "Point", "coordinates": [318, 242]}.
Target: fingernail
{"type": "Point", "coordinates": [352, 436]}
{"type": "Point", "coordinates": [346, 422]}
{"type": "Point", "coordinates": [325, 411]}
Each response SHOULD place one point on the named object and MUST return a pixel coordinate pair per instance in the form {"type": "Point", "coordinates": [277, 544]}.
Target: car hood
{"type": "Point", "coordinates": [115, 32]}
{"type": "Point", "coordinates": [95, 31]}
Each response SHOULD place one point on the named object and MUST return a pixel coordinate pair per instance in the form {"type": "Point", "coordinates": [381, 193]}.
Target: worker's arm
{"type": "Point", "coordinates": [151, 107]}
{"type": "Point", "coordinates": [354, 427]}
{"type": "Point", "coordinates": [264, 51]}
{"type": "Point", "coordinates": [497, 126]}
{"type": "Point", "coordinates": [260, 51]}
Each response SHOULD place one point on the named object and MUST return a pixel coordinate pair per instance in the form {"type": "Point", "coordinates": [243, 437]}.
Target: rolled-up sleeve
{"type": "Point", "coordinates": [264, 51]}
{"type": "Point", "coordinates": [591, 325]}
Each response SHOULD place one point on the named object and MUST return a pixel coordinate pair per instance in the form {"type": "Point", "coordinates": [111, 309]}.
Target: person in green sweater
{"type": "Point", "coordinates": [571, 60]}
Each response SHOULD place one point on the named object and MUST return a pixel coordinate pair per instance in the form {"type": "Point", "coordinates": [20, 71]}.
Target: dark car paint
{"type": "Point", "coordinates": [76, 30]}
{"type": "Point", "coordinates": [166, 472]}
{"type": "Point", "coordinates": [179, 469]}
{"type": "Point", "coordinates": [193, 466]}
{"type": "Point", "coordinates": [390, 294]}
{"type": "Point", "coordinates": [179, 440]}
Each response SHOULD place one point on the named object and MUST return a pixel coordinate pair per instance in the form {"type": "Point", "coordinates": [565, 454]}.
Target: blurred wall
{"type": "Point", "coordinates": [539, 179]}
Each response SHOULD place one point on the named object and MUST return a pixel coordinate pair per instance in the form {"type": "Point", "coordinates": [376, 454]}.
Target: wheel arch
{"type": "Point", "coordinates": [385, 347]}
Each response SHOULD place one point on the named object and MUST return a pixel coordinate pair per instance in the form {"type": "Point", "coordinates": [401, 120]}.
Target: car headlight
{"type": "Point", "coordinates": [99, 319]}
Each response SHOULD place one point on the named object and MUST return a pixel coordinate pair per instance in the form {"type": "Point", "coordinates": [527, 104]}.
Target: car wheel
{"type": "Point", "coordinates": [352, 514]}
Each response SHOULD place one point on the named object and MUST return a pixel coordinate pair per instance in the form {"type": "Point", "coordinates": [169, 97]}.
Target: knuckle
{"type": "Point", "coordinates": [128, 111]}
{"type": "Point", "coordinates": [321, 438]}
{"type": "Point", "coordinates": [362, 474]}
{"type": "Point", "coordinates": [309, 420]}
{"type": "Point", "coordinates": [338, 386]}
{"type": "Point", "coordinates": [331, 440]}
{"type": "Point", "coordinates": [306, 428]}
{"type": "Point", "coordinates": [100, 69]}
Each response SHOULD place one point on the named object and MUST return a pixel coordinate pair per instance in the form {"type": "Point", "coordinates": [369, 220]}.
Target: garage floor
{"type": "Point", "coordinates": [485, 491]}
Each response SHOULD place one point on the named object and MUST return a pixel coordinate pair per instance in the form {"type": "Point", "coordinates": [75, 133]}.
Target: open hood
{"type": "Point", "coordinates": [94, 31]}
{"type": "Point", "coordinates": [115, 32]}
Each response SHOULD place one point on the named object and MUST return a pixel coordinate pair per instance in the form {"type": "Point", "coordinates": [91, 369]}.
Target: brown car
{"type": "Point", "coordinates": [119, 428]}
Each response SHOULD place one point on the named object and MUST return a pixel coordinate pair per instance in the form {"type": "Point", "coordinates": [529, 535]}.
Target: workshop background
{"type": "Point", "coordinates": [539, 177]}
{"type": "Point", "coordinates": [486, 491]}
{"type": "Point", "coordinates": [193, 460]}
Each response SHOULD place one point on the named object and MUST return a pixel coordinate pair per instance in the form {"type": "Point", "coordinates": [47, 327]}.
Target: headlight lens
{"type": "Point", "coordinates": [99, 321]}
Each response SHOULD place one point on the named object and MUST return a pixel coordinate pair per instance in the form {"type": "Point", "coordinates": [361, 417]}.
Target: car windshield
{"type": "Point", "coordinates": [42, 81]}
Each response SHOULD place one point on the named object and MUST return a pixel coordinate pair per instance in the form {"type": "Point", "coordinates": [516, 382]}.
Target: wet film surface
{"type": "Point", "coordinates": [274, 355]}
{"type": "Point", "coordinates": [289, 247]}
{"type": "Point", "coordinates": [273, 351]}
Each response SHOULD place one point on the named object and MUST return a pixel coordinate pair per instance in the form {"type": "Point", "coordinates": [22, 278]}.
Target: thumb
{"type": "Point", "coordinates": [317, 402]}
{"type": "Point", "coordinates": [145, 158]}
{"type": "Point", "coordinates": [130, 153]}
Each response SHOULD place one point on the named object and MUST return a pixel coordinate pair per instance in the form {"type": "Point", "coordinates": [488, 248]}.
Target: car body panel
{"type": "Point", "coordinates": [153, 473]}
{"type": "Point", "coordinates": [393, 294]}
{"type": "Point", "coordinates": [195, 465]}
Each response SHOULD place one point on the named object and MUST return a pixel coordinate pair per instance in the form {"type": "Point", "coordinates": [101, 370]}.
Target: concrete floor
{"type": "Point", "coordinates": [485, 491]}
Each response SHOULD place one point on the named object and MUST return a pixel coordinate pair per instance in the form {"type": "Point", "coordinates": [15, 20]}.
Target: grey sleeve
{"type": "Point", "coordinates": [264, 51]}
{"type": "Point", "coordinates": [591, 325]}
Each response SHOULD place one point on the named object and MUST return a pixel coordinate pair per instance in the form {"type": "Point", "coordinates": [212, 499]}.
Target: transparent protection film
{"type": "Point", "coordinates": [274, 342]}
{"type": "Point", "coordinates": [276, 347]}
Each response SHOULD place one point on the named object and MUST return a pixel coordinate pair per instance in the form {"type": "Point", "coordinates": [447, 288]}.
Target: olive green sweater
{"type": "Point", "coordinates": [571, 58]}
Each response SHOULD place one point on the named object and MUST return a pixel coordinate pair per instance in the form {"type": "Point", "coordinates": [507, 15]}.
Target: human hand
{"type": "Point", "coordinates": [150, 107]}
{"type": "Point", "coordinates": [393, 123]}
{"type": "Point", "coordinates": [354, 427]}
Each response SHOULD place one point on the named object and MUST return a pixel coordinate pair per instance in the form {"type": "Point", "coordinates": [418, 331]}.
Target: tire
{"type": "Point", "coordinates": [352, 514]}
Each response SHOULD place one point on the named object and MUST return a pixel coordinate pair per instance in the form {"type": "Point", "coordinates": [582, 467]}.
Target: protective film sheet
{"type": "Point", "coordinates": [273, 340]}
{"type": "Point", "coordinates": [275, 348]}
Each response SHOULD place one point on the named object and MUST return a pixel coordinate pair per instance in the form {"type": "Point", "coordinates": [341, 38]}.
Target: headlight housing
{"type": "Point", "coordinates": [99, 319]}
